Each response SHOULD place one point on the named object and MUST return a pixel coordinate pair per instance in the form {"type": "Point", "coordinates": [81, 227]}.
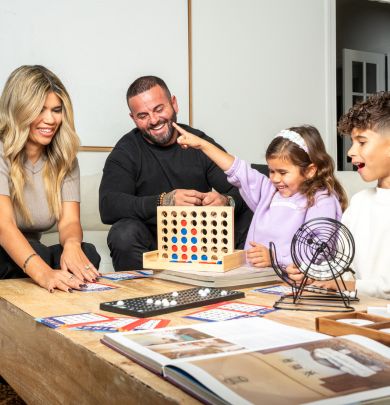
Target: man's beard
{"type": "Point", "coordinates": [161, 139]}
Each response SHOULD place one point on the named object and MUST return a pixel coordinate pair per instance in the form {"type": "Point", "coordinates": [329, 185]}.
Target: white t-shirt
{"type": "Point", "coordinates": [368, 218]}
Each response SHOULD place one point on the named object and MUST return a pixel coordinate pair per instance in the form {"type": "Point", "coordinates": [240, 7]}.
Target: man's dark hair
{"type": "Point", "coordinates": [374, 114]}
{"type": "Point", "coordinates": [145, 83]}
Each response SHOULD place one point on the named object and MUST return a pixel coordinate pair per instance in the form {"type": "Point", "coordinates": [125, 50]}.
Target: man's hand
{"type": "Point", "coordinates": [214, 199]}
{"type": "Point", "coordinates": [258, 255]}
{"type": "Point", "coordinates": [185, 197]}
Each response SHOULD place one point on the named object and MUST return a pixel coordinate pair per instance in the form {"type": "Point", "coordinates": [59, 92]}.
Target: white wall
{"type": "Point", "coordinates": [97, 48]}
{"type": "Point", "coordinates": [256, 70]}
{"type": "Point", "coordinates": [259, 66]}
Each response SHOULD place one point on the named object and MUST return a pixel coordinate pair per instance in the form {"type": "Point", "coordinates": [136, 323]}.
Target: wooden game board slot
{"type": "Point", "coordinates": [153, 260]}
{"type": "Point", "coordinates": [332, 325]}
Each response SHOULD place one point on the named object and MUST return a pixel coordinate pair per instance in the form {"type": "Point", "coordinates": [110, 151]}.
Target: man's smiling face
{"type": "Point", "coordinates": [153, 113]}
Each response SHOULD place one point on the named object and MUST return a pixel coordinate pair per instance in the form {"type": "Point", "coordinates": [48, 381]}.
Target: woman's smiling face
{"type": "Point", "coordinates": [45, 126]}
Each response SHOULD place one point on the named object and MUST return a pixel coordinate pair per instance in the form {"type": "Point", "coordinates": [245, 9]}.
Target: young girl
{"type": "Point", "coordinates": [301, 187]}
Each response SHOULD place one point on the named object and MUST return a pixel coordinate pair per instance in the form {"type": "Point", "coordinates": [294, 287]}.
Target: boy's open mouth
{"type": "Point", "coordinates": [359, 165]}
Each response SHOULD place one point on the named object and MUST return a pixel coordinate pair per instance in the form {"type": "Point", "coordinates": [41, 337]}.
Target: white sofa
{"type": "Point", "coordinates": [94, 231]}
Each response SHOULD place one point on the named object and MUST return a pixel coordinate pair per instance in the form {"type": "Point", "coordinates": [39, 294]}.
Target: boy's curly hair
{"type": "Point", "coordinates": [374, 114]}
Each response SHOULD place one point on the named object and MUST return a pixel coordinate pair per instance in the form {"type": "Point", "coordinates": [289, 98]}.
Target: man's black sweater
{"type": "Point", "coordinates": [137, 172]}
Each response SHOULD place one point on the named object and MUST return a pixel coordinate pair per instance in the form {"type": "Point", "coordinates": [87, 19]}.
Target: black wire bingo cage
{"type": "Point", "coordinates": [322, 249]}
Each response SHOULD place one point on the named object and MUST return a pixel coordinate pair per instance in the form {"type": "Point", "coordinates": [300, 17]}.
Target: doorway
{"type": "Point", "coordinates": [362, 57]}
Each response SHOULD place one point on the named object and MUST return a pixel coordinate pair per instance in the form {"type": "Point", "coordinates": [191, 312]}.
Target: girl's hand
{"type": "Point", "coordinates": [74, 260]}
{"type": "Point", "coordinates": [258, 255]}
{"type": "Point", "coordinates": [296, 275]}
{"type": "Point", "coordinates": [187, 140]}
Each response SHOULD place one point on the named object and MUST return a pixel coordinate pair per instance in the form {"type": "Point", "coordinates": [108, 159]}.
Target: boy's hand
{"type": "Point", "coordinates": [258, 255]}
{"type": "Point", "coordinates": [331, 285]}
{"type": "Point", "coordinates": [187, 140]}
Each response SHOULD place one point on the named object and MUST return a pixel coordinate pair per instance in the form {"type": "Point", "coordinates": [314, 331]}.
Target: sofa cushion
{"type": "Point", "coordinates": [90, 217]}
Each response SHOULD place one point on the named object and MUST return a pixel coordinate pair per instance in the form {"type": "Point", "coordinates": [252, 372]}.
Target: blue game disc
{"type": "Point", "coordinates": [183, 239]}
{"type": "Point", "coordinates": [174, 256]}
{"type": "Point", "coordinates": [174, 239]}
{"type": "Point", "coordinates": [204, 257]}
{"type": "Point", "coordinates": [194, 240]}
{"type": "Point", "coordinates": [183, 231]}
{"type": "Point", "coordinates": [194, 257]}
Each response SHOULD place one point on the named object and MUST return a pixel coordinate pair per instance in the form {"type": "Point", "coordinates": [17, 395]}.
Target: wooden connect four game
{"type": "Point", "coordinates": [195, 238]}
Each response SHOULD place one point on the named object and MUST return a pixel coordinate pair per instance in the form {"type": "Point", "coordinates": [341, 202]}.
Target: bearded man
{"type": "Point", "coordinates": [147, 168]}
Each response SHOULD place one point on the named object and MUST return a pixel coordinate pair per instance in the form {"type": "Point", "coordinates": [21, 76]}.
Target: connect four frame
{"type": "Point", "coordinates": [195, 238]}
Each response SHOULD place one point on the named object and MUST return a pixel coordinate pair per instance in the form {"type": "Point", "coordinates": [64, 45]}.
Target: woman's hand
{"type": "Point", "coordinates": [75, 261]}
{"type": "Point", "coordinates": [258, 255]}
{"type": "Point", "coordinates": [187, 140]}
{"type": "Point", "coordinates": [73, 258]}
{"type": "Point", "coordinates": [58, 279]}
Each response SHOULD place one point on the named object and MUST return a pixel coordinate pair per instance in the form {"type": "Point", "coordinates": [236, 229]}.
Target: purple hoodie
{"type": "Point", "coordinates": [277, 218]}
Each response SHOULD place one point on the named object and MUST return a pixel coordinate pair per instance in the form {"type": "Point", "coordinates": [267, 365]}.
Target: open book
{"type": "Point", "coordinates": [255, 360]}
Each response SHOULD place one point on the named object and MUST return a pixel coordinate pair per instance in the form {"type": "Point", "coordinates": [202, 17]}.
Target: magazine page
{"type": "Point", "coordinates": [159, 347]}
{"type": "Point", "coordinates": [299, 374]}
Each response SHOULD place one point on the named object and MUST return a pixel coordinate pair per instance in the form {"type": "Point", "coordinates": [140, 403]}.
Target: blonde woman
{"type": "Point", "coordinates": [40, 184]}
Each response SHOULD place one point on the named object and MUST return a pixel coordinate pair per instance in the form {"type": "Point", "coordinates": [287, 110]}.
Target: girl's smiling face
{"type": "Point", "coordinates": [286, 177]}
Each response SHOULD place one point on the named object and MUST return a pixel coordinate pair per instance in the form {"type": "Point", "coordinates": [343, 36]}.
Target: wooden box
{"type": "Point", "coordinates": [331, 325]}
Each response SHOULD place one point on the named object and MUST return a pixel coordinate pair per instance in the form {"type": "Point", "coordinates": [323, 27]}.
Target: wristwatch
{"type": "Point", "coordinates": [230, 201]}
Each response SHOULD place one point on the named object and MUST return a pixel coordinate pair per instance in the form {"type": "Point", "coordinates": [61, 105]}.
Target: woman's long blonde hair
{"type": "Point", "coordinates": [21, 102]}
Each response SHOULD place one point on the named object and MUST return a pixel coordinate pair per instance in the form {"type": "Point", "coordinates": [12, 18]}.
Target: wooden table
{"type": "Point", "coordinates": [50, 366]}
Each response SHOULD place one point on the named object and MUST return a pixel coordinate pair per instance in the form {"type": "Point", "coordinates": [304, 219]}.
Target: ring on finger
{"type": "Point", "coordinates": [87, 267]}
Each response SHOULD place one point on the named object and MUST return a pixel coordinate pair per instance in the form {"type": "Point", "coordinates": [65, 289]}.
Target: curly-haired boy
{"type": "Point", "coordinates": [368, 216]}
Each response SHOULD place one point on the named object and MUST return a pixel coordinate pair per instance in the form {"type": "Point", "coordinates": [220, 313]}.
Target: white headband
{"type": "Point", "coordinates": [293, 137]}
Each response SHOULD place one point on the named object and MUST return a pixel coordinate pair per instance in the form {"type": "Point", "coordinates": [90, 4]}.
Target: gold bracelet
{"type": "Point", "coordinates": [27, 260]}
{"type": "Point", "coordinates": [161, 199]}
